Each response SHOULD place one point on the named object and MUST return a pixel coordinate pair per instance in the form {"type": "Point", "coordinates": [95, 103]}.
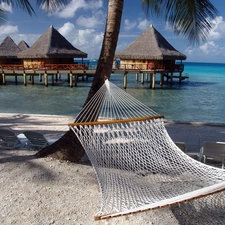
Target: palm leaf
{"type": "Point", "coordinates": [189, 18]}
{"type": "Point", "coordinates": [51, 5]}
{"type": "Point", "coordinates": [22, 4]}
{"type": "Point", "coordinates": [2, 15]}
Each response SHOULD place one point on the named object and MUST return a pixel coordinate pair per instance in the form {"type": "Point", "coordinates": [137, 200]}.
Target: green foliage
{"type": "Point", "coordinates": [190, 19]}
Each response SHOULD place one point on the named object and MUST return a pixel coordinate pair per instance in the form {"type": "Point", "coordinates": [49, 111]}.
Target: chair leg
{"type": "Point", "coordinates": [223, 163]}
{"type": "Point", "coordinates": [204, 158]}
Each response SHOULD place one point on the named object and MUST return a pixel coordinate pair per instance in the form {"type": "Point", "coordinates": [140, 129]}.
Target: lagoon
{"type": "Point", "coordinates": [201, 98]}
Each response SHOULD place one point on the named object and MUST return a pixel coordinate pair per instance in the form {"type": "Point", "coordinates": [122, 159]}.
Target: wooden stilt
{"type": "Point", "coordinates": [16, 80]}
{"type": "Point", "coordinates": [52, 79]}
{"type": "Point", "coordinates": [137, 76]}
{"type": "Point", "coordinates": [86, 75]}
{"type": "Point", "coordinates": [153, 80]}
{"type": "Point", "coordinates": [32, 78]}
{"type": "Point", "coordinates": [146, 76]}
{"type": "Point", "coordinates": [151, 75]}
{"type": "Point", "coordinates": [71, 79]}
{"type": "Point", "coordinates": [161, 79]}
{"type": "Point", "coordinates": [180, 77]}
{"type": "Point", "coordinates": [3, 78]}
{"type": "Point", "coordinates": [171, 78]}
{"type": "Point", "coordinates": [40, 77]}
{"type": "Point", "coordinates": [46, 79]}
{"type": "Point", "coordinates": [167, 77]}
{"type": "Point", "coordinates": [24, 79]}
{"type": "Point", "coordinates": [125, 81]}
{"type": "Point", "coordinates": [142, 78]}
{"type": "Point", "coordinates": [75, 80]}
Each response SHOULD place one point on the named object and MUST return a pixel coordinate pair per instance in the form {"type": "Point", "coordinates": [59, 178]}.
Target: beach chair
{"type": "Point", "coordinates": [36, 140]}
{"type": "Point", "coordinates": [182, 146]}
{"type": "Point", "coordinates": [9, 140]}
{"type": "Point", "coordinates": [213, 152]}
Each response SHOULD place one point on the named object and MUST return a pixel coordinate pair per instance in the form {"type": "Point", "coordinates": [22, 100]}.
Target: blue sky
{"type": "Point", "coordinates": [82, 23]}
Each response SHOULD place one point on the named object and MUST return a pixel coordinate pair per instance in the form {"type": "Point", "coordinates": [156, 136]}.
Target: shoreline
{"type": "Point", "coordinates": [166, 121]}
{"type": "Point", "coordinates": [54, 126]}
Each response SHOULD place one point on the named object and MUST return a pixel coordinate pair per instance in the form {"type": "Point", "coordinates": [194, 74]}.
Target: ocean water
{"type": "Point", "coordinates": [200, 98]}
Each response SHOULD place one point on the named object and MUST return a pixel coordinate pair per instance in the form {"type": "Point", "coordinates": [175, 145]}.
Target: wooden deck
{"type": "Point", "coordinates": [54, 73]}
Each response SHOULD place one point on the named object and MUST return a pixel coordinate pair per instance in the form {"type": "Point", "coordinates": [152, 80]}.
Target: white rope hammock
{"type": "Point", "coordinates": [137, 164]}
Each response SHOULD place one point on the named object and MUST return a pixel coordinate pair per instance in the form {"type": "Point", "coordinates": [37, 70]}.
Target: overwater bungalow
{"type": "Point", "coordinates": [8, 52]}
{"type": "Point", "coordinates": [51, 51]}
{"type": "Point", "coordinates": [151, 51]}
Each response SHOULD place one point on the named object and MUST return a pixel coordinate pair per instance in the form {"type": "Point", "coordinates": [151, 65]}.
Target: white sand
{"type": "Point", "coordinates": [48, 191]}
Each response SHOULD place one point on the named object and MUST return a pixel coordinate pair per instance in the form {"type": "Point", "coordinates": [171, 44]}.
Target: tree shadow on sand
{"type": "Point", "coordinates": [25, 162]}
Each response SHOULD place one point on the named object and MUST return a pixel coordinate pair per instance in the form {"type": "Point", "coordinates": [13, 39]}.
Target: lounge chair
{"type": "Point", "coordinates": [9, 140]}
{"type": "Point", "coordinates": [213, 152]}
{"type": "Point", "coordinates": [36, 141]}
{"type": "Point", "coordinates": [182, 146]}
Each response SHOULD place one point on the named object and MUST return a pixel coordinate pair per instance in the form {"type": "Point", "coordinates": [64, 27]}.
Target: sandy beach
{"type": "Point", "coordinates": [49, 191]}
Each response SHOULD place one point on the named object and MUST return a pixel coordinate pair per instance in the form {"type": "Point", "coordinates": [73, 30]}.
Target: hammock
{"type": "Point", "coordinates": [138, 166]}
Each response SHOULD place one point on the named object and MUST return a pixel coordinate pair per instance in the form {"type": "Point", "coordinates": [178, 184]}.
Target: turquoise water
{"type": "Point", "coordinates": [198, 99]}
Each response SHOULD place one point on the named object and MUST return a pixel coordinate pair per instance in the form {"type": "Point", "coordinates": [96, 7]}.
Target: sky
{"type": "Point", "coordinates": [82, 23]}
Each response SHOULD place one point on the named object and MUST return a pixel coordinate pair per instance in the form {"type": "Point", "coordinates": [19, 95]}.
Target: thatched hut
{"type": "Point", "coordinates": [150, 51]}
{"type": "Point", "coordinates": [9, 51]}
{"type": "Point", "coordinates": [23, 46]}
{"type": "Point", "coordinates": [50, 48]}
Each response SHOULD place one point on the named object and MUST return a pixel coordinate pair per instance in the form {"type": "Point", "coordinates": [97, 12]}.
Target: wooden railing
{"type": "Point", "coordinates": [65, 66]}
{"type": "Point", "coordinates": [75, 66]}
{"type": "Point", "coordinates": [44, 67]}
{"type": "Point", "coordinates": [11, 67]}
{"type": "Point", "coordinates": [170, 68]}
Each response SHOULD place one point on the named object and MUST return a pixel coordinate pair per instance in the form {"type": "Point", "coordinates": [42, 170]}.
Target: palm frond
{"type": "Point", "coordinates": [22, 4]}
{"type": "Point", "coordinates": [51, 5]}
{"type": "Point", "coordinates": [189, 18]}
{"type": "Point", "coordinates": [2, 16]}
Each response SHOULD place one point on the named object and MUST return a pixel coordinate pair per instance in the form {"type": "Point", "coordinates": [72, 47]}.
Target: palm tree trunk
{"type": "Point", "coordinates": [68, 146]}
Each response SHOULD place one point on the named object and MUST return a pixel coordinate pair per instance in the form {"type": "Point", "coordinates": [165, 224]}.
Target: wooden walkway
{"type": "Point", "coordinates": [86, 73]}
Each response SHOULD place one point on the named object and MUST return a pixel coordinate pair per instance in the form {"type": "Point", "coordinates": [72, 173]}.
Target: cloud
{"type": "Point", "coordinates": [140, 24]}
{"type": "Point", "coordinates": [71, 9]}
{"type": "Point", "coordinates": [66, 29]}
{"type": "Point", "coordinates": [96, 20]}
{"type": "Point", "coordinates": [143, 24]}
{"type": "Point", "coordinates": [87, 40]}
{"type": "Point", "coordinates": [218, 29]}
{"type": "Point", "coordinates": [128, 25]}
{"type": "Point", "coordinates": [6, 7]}
{"type": "Point", "coordinates": [8, 29]}
{"type": "Point", "coordinates": [209, 48]}
{"type": "Point", "coordinates": [213, 47]}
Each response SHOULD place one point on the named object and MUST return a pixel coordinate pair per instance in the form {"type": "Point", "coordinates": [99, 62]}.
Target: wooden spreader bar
{"type": "Point", "coordinates": [115, 121]}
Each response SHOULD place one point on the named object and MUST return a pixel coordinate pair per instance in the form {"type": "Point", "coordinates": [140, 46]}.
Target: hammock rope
{"type": "Point", "coordinates": [137, 164]}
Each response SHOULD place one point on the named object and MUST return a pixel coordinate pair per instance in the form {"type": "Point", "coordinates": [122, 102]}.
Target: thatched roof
{"type": "Point", "coordinates": [52, 44]}
{"type": "Point", "coordinates": [23, 45]}
{"type": "Point", "coordinates": [8, 48]}
{"type": "Point", "coordinates": [150, 45]}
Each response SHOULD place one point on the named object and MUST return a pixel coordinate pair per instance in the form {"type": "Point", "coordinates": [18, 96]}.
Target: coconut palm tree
{"type": "Point", "coordinates": [188, 18]}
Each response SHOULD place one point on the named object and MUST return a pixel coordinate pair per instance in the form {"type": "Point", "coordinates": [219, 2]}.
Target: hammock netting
{"type": "Point", "coordinates": [137, 164]}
